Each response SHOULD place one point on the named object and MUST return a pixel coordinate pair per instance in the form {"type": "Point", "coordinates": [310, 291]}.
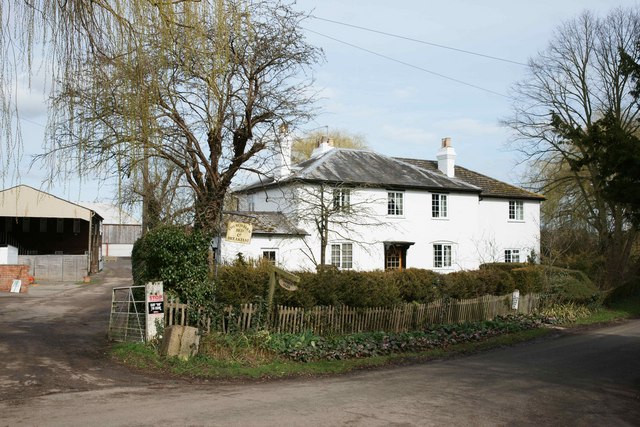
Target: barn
{"type": "Point", "coordinates": [58, 239]}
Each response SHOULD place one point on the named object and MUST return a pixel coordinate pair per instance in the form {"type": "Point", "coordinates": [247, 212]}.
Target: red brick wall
{"type": "Point", "coordinates": [8, 273]}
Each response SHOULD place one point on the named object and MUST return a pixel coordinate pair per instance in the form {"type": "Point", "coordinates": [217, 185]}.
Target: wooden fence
{"type": "Point", "coordinates": [324, 320]}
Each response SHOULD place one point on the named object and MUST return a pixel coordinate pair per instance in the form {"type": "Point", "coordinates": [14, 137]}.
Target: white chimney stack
{"type": "Point", "coordinates": [447, 158]}
{"type": "Point", "coordinates": [325, 144]}
{"type": "Point", "coordinates": [283, 157]}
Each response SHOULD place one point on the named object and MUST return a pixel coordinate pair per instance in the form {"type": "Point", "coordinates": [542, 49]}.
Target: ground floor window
{"type": "Point", "coordinates": [342, 255]}
{"type": "Point", "coordinates": [512, 255]}
{"type": "Point", "coordinates": [441, 255]}
{"type": "Point", "coordinates": [270, 255]}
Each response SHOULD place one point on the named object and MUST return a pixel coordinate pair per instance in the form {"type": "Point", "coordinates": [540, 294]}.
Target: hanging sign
{"type": "Point", "coordinates": [239, 232]}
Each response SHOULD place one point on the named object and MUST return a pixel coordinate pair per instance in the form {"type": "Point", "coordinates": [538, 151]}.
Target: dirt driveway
{"type": "Point", "coordinates": [53, 339]}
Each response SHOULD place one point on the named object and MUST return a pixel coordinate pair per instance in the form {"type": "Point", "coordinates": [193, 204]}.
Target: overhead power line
{"type": "Point", "coordinates": [419, 41]}
{"type": "Point", "coordinates": [408, 64]}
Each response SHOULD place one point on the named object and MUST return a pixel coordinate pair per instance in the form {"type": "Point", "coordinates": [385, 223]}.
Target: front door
{"type": "Point", "coordinates": [395, 257]}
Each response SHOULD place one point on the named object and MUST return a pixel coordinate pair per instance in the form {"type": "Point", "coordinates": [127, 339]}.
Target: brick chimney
{"type": "Point", "coordinates": [447, 158]}
{"type": "Point", "coordinates": [325, 144]}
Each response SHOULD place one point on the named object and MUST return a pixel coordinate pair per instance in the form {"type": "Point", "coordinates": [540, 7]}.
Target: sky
{"type": "Point", "coordinates": [403, 96]}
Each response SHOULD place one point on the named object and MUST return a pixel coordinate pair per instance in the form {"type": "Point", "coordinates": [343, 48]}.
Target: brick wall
{"type": "Point", "coordinates": [8, 273]}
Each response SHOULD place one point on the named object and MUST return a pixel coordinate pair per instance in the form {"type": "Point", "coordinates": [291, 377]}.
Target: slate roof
{"type": "Point", "coordinates": [366, 168]}
{"type": "Point", "coordinates": [490, 187]}
{"type": "Point", "coordinates": [275, 223]}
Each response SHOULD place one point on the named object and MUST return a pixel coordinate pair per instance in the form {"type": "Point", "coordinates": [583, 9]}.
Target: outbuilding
{"type": "Point", "coordinates": [58, 239]}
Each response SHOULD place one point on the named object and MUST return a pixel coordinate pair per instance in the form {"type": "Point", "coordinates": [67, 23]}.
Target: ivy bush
{"type": "Point", "coordinates": [177, 257]}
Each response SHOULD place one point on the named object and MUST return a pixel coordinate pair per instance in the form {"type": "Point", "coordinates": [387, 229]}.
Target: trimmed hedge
{"type": "Point", "coordinates": [179, 258]}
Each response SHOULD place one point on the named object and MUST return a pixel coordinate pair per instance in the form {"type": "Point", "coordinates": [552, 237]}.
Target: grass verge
{"type": "Point", "coordinates": [627, 308]}
{"type": "Point", "coordinates": [144, 357]}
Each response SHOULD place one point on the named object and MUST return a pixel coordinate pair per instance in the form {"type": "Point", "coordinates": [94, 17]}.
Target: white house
{"type": "Point", "coordinates": [368, 211]}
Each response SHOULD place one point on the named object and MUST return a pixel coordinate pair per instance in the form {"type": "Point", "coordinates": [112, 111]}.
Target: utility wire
{"type": "Point", "coordinates": [409, 65]}
{"type": "Point", "coordinates": [419, 41]}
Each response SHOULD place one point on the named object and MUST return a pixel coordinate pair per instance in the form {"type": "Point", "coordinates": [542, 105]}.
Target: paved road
{"type": "Point", "coordinates": [589, 378]}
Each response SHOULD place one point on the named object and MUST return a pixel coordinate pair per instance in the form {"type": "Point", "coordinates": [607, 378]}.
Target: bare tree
{"type": "Point", "coordinates": [165, 197]}
{"type": "Point", "coordinates": [334, 212]}
{"type": "Point", "coordinates": [572, 84]}
{"type": "Point", "coordinates": [208, 99]}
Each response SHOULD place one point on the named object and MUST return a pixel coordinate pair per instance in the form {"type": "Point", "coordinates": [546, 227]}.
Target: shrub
{"type": "Point", "coordinates": [241, 282]}
{"type": "Point", "coordinates": [504, 266]}
{"type": "Point", "coordinates": [416, 285]}
{"type": "Point", "coordinates": [628, 291]}
{"type": "Point", "coordinates": [175, 256]}
{"type": "Point", "coordinates": [461, 284]}
{"type": "Point", "coordinates": [564, 286]}
{"type": "Point", "coordinates": [496, 281]}
{"type": "Point", "coordinates": [528, 279]}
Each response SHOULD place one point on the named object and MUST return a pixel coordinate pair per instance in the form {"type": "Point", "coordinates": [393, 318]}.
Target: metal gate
{"type": "Point", "coordinates": [127, 319]}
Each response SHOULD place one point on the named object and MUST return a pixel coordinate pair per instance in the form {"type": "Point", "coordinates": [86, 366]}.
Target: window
{"type": "Point", "coordinates": [251, 203]}
{"type": "Point", "coordinates": [441, 256]}
{"type": "Point", "coordinates": [270, 255]}
{"type": "Point", "coordinates": [60, 225]}
{"type": "Point", "coordinates": [341, 199]}
{"type": "Point", "coordinates": [394, 203]}
{"type": "Point", "coordinates": [43, 225]}
{"type": "Point", "coordinates": [76, 226]}
{"type": "Point", "coordinates": [342, 255]}
{"type": "Point", "coordinates": [516, 210]}
{"type": "Point", "coordinates": [438, 205]}
{"type": "Point", "coordinates": [26, 222]}
{"type": "Point", "coordinates": [512, 255]}
{"type": "Point", "coordinates": [8, 224]}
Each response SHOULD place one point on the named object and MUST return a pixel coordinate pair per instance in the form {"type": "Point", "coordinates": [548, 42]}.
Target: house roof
{"type": "Point", "coordinates": [366, 168]}
{"type": "Point", "coordinates": [275, 223]}
{"type": "Point", "coordinates": [27, 202]}
{"type": "Point", "coordinates": [490, 187]}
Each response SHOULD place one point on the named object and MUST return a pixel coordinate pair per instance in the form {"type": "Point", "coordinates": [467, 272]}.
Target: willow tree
{"type": "Point", "coordinates": [575, 86]}
{"type": "Point", "coordinates": [207, 93]}
{"type": "Point", "coordinates": [303, 146]}
{"type": "Point", "coordinates": [63, 36]}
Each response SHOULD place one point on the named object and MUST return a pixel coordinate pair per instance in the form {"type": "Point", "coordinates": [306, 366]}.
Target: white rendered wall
{"type": "Point", "coordinates": [497, 232]}
{"type": "Point", "coordinates": [289, 251]}
{"type": "Point", "coordinates": [8, 255]}
{"type": "Point", "coordinates": [478, 231]}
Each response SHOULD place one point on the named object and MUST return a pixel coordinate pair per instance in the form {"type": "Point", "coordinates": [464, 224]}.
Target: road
{"type": "Point", "coordinates": [585, 378]}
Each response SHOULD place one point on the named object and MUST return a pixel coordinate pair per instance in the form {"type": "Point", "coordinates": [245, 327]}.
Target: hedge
{"type": "Point", "coordinates": [179, 258]}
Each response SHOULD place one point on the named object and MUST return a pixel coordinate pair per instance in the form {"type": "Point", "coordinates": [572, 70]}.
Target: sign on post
{"type": "Point", "coordinates": [154, 308]}
{"type": "Point", "coordinates": [515, 299]}
{"type": "Point", "coordinates": [239, 232]}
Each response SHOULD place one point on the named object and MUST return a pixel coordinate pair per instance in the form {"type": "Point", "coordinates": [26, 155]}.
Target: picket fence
{"type": "Point", "coordinates": [323, 320]}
